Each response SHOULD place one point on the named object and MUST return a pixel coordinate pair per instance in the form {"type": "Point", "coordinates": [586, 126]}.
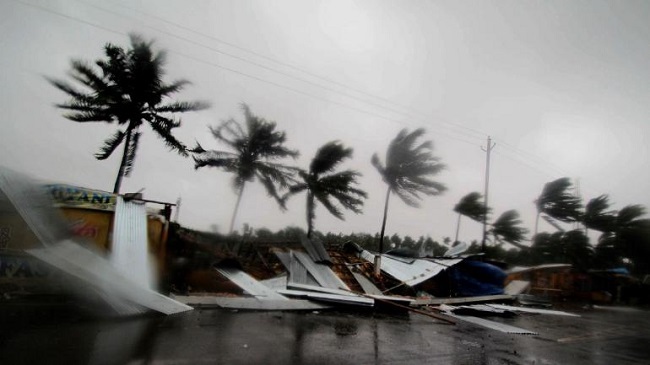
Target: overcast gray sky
{"type": "Point", "coordinates": [562, 87]}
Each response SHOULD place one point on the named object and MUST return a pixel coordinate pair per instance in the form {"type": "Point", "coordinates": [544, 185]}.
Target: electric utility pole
{"type": "Point", "coordinates": [487, 150]}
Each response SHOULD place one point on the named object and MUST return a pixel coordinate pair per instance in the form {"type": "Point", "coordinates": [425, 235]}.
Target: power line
{"type": "Point", "coordinates": [244, 74]}
{"type": "Point", "coordinates": [286, 64]}
{"type": "Point", "coordinates": [448, 132]}
{"type": "Point", "coordinates": [409, 113]}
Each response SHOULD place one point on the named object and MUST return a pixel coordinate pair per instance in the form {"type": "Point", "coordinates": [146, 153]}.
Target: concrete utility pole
{"type": "Point", "coordinates": [487, 150]}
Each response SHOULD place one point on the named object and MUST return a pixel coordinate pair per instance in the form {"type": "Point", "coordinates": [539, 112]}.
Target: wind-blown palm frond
{"type": "Point", "coordinates": [409, 167]}
{"type": "Point", "coordinates": [472, 207]}
{"type": "Point", "coordinates": [508, 228]}
{"type": "Point", "coordinates": [558, 202]}
{"type": "Point", "coordinates": [110, 145]}
{"type": "Point", "coordinates": [255, 148]}
{"type": "Point", "coordinates": [126, 88]}
{"type": "Point", "coordinates": [408, 171]}
{"type": "Point", "coordinates": [327, 187]}
{"type": "Point", "coordinates": [598, 216]}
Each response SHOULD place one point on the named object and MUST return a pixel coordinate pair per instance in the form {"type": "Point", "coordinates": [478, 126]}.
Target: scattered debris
{"type": "Point", "coordinates": [516, 287]}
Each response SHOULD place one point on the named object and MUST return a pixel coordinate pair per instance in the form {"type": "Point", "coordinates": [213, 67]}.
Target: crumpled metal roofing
{"type": "Point", "coordinates": [315, 249]}
{"type": "Point", "coordinates": [304, 270]}
{"type": "Point", "coordinates": [249, 284]}
{"type": "Point", "coordinates": [411, 271]}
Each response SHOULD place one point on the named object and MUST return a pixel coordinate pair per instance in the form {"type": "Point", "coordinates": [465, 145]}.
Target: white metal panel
{"type": "Point", "coordinates": [336, 298]}
{"type": "Point", "coordinates": [533, 310]}
{"type": "Point", "coordinates": [322, 273]}
{"type": "Point", "coordinates": [412, 272]}
{"type": "Point", "coordinates": [129, 253]}
{"type": "Point", "coordinates": [251, 303]}
{"type": "Point", "coordinates": [98, 272]}
{"type": "Point", "coordinates": [249, 284]}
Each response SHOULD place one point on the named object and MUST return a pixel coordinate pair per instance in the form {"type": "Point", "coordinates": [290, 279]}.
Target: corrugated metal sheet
{"type": "Point", "coordinates": [249, 284]}
{"type": "Point", "coordinates": [298, 273]}
{"type": "Point", "coordinates": [284, 257]}
{"type": "Point", "coordinates": [253, 303]}
{"type": "Point", "coordinates": [516, 287]}
{"type": "Point", "coordinates": [494, 325]}
{"type": "Point", "coordinates": [33, 205]}
{"type": "Point", "coordinates": [411, 271]}
{"type": "Point", "coordinates": [98, 272]}
{"type": "Point", "coordinates": [497, 326]}
{"type": "Point", "coordinates": [278, 282]}
{"type": "Point", "coordinates": [533, 310]}
{"type": "Point", "coordinates": [323, 275]}
{"type": "Point", "coordinates": [315, 249]}
{"type": "Point", "coordinates": [129, 253]}
{"type": "Point", "coordinates": [367, 285]}
{"type": "Point", "coordinates": [327, 297]}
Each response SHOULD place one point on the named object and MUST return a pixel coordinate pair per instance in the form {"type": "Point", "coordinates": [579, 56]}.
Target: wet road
{"type": "Point", "coordinates": [227, 337]}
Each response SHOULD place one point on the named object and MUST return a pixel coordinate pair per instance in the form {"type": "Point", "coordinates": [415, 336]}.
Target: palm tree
{"type": "Point", "coordinates": [127, 89]}
{"type": "Point", "coordinates": [322, 184]}
{"type": "Point", "coordinates": [598, 216]}
{"type": "Point", "coordinates": [472, 207]}
{"type": "Point", "coordinates": [255, 146]}
{"type": "Point", "coordinates": [507, 228]}
{"type": "Point", "coordinates": [558, 202]}
{"type": "Point", "coordinates": [408, 170]}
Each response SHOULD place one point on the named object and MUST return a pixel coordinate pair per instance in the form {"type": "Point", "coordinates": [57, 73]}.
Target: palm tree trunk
{"type": "Point", "coordinates": [125, 154]}
{"type": "Point", "coordinates": [310, 213]}
{"type": "Point", "coordinates": [457, 228]}
{"type": "Point", "coordinates": [383, 224]}
{"type": "Point", "coordinates": [234, 213]}
{"type": "Point", "coordinates": [536, 223]}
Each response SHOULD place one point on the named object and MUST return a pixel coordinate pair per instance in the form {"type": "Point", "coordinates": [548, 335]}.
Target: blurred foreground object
{"type": "Point", "coordinates": [35, 227]}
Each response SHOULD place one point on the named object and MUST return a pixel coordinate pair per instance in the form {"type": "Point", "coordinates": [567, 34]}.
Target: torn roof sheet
{"type": "Point", "coordinates": [411, 271]}
{"type": "Point", "coordinates": [315, 250]}
{"type": "Point", "coordinates": [249, 284]}
{"type": "Point", "coordinates": [321, 273]}
{"type": "Point", "coordinates": [98, 272]}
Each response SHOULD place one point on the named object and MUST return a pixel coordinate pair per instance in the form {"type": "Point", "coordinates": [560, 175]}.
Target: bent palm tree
{"type": "Point", "coordinates": [322, 184]}
{"type": "Point", "coordinates": [558, 202]}
{"type": "Point", "coordinates": [508, 228]}
{"type": "Point", "coordinates": [128, 90]}
{"type": "Point", "coordinates": [598, 216]}
{"type": "Point", "coordinates": [409, 166]}
{"type": "Point", "coordinates": [255, 146]}
{"type": "Point", "coordinates": [472, 207]}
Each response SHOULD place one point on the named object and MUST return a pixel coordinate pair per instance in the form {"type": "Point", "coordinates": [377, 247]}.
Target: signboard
{"type": "Point", "coordinates": [75, 197]}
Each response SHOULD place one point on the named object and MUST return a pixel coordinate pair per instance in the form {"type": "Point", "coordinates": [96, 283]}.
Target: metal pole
{"type": "Point", "coordinates": [178, 209]}
{"type": "Point", "coordinates": [487, 150]}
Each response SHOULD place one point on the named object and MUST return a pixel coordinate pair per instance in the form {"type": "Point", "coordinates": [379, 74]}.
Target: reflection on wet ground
{"type": "Point", "coordinates": [231, 337]}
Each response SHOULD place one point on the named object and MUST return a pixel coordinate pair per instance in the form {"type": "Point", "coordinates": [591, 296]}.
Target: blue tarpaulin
{"type": "Point", "coordinates": [473, 278]}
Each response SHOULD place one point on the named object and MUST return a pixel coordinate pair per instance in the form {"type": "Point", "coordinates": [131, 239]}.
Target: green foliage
{"type": "Point", "coordinates": [254, 149]}
{"type": "Point", "coordinates": [508, 228]}
{"type": "Point", "coordinates": [325, 186]}
{"type": "Point", "coordinates": [408, 171]}
{"type": "Point", "coordinates": [598, 216]}
{"type": "Point", "coordinates": [126, 88]}
{"type": "Point", "coordinates": [472, 207]}
{"type": "Point", "coordinates": [410, 166]}
{"type": "Point", "coordinates": [558, 202]}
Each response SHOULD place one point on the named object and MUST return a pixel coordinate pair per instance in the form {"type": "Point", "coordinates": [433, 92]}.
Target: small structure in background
{"type": "Point", "coordinates": [45, 235]}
